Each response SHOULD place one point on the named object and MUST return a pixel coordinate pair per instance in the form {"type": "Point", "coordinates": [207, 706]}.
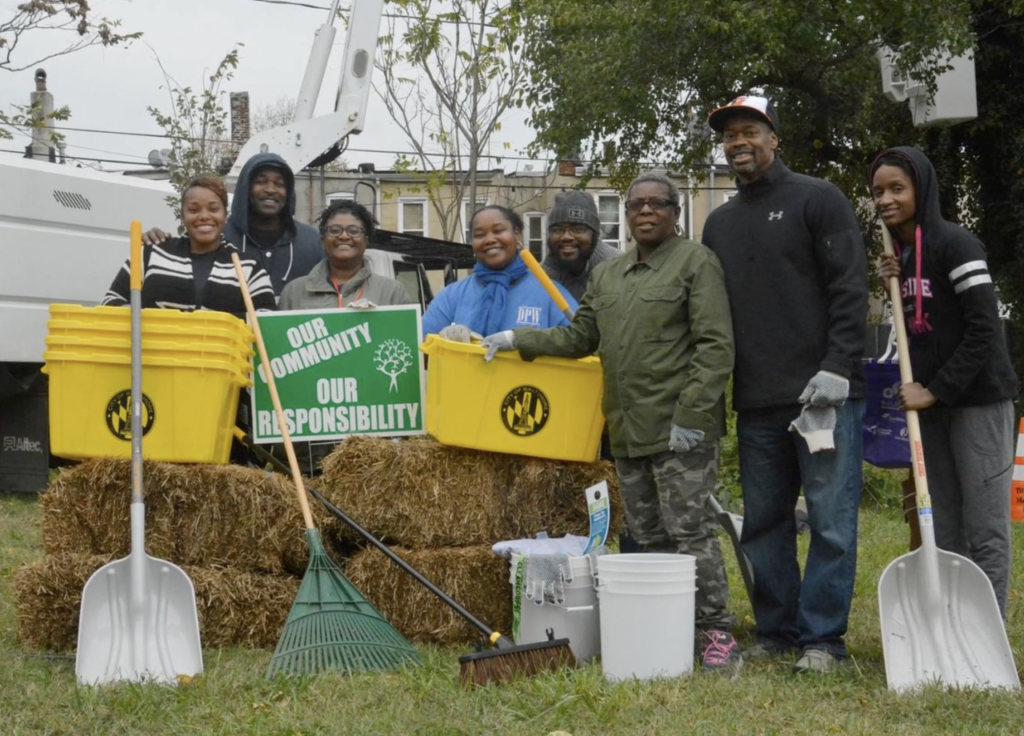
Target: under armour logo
{"type": "Point", "coordinates": [775, 215]}
{"type": "Point", "coordinates": [577, 213]}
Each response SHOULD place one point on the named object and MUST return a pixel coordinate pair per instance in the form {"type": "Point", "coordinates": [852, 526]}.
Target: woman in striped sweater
{"type": "Point", "coordinates": [194, 271]}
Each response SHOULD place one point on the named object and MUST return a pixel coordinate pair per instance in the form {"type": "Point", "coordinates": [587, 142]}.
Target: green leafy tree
{"type": "Point", "coordinates": [73, 25]}
{"type": "Point", "coordinates": [450, 70]}
{"type": "Point", "coordinates": [197, 127]}
{"type": "Point", "coordinates": [646, 74]}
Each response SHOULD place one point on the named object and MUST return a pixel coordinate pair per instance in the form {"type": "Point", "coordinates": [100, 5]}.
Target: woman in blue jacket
{"type": "Point", "coordinates": [501, 293]}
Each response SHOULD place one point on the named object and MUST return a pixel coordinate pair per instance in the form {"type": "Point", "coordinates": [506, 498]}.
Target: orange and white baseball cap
{"type": "Point", "coordinates": [761, 107]}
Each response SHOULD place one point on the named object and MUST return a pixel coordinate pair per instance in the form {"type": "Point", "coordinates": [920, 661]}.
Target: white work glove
{"type": "Point", "coordinates": [545, 576]}
{"type": "Point", "coordinates": [505, 340]}
{"type": "Point", "coordinates": [681, 439]}
{"type": "Point", "coordinates": [456, 333]}
{"type": "Point", "coordinates": [816, 425]}
{"type": "Point", "coordinates": [361, 304]}
{"type": "Point", "coordinates": [826, 389]}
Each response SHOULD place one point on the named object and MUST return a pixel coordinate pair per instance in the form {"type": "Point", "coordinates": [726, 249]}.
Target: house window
{"type": "Point", "coordinates": [535, 236]}
{"type": "Point", "coordinates": [467, 214]}
{"type": "Point", "coordinates": [333, 197]}
{"type": "Point", "coordinates": [684, 214]}
{"type": "Point", "coordinates": [729, 194]}
{"type": "Point", "coordinates": [609, 212]}
{"type": "Point", "coordinates": [412, 217]}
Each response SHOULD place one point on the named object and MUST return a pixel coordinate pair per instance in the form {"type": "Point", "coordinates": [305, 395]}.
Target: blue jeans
{"type": "Point", "coordinates": [774, 464]}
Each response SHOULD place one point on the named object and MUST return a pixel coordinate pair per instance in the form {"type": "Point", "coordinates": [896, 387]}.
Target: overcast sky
{"type": "Point", "coordinates": [110, 89]}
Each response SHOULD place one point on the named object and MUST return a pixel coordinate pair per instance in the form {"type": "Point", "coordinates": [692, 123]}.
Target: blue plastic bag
{"type": "Point", "coordinates": [886, 440]}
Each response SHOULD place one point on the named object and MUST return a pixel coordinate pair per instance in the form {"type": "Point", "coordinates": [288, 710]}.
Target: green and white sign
{"type": "Point", "coordinates": [341, 372]}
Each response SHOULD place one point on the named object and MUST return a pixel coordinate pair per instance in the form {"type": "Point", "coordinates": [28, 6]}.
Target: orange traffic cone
{"type": "Point", "coordinates": [1017, 486]}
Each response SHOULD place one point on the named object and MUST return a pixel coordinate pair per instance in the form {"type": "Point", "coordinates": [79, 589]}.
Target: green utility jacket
{"type": "Point", "coordinates": [663, 331]}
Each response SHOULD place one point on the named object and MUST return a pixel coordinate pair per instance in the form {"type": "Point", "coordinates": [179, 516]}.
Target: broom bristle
{"type": "Point", "coordinates": [525, 660]}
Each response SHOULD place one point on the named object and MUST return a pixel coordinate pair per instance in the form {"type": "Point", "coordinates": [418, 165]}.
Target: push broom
{"type": "Point", "coordinates": [506, 661]}
{"type": "Point", "coordinates": [331, 625]}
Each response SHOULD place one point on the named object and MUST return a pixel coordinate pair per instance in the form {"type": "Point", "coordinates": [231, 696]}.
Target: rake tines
{"type": "Point", "coordinates": [333, 627]}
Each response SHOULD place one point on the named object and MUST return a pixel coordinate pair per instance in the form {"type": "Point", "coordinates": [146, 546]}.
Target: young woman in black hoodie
{"type": "Point", "coordinates": [964, 383]}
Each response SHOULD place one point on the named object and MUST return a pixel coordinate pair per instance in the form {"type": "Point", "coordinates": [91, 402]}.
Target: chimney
{"type": "Point", "coordinates": [239, 102]}
{"type": "Point", "coordinates": [41, 105]}
{"type": "Point", "coordinates": [567, 168]}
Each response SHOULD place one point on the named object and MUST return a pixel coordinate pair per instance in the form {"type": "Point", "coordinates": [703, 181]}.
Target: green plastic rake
{"type": "Point", "coordinates": [331, 625]}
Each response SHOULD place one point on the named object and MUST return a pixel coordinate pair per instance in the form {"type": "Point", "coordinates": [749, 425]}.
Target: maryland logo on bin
{"type": "Point", "coordinates": [525, 410]}
{"type": "Point", "coordinates": [119, 415]}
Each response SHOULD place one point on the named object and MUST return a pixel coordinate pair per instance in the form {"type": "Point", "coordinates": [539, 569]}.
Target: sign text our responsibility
{"type": "Point", "coordinates": [341, 372]}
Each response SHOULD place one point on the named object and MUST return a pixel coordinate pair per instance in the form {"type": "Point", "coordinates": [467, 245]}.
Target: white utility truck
{"type": "Point", "coordinates": [63, 236]}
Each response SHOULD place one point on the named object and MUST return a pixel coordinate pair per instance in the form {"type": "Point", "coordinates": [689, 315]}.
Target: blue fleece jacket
{"type": "Point", "coordinates": [298, 249]}
{"type": "Point", "coordinates": [526, 305]}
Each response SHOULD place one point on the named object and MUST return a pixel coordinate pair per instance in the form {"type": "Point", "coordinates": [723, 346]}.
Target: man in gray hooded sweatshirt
{"type": "Point", "coordinates": [263, 223]}
{"type": "Point", "coordinates": [574, 242]}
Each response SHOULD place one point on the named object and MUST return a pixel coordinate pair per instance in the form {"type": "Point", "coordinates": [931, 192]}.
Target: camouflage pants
{"type": "Point", "coordinates": [665, 498]}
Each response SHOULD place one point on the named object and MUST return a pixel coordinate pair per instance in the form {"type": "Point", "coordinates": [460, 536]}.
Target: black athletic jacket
{"type": "Point", "coordinates": [957, 346]}
{"type": "Point", "coordinates": [796, 271]}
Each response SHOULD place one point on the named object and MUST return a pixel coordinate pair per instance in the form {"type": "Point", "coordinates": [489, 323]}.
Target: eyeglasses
{"type": "Point", "coordinates": [353, 231]}
{"type": "Point", "coordinates": [655, 203]}
{"type": "Point", "coordinates": [559, 230]}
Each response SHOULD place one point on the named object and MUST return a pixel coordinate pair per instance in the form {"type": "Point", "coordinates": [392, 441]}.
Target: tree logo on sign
{"type": "Point", "coordinates": [393, 358]}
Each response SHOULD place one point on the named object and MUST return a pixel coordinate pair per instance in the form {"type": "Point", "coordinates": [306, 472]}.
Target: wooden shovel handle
{"type": "Point", "coordinates": [906, 376]}
{"type": "Point", "coordinates": [546, 282]}
{"type": "Point", "coordinates": [289, 449]}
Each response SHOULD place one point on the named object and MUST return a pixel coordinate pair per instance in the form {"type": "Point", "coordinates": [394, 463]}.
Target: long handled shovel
{"type": "Point", "coordinates": [731, 523]}
{"type": "Point", "coordinates": [331, 625]}
{"type": "Point", "coordinates": [138, 619]}
{"type": "Point", "coordinates": [940, 618]}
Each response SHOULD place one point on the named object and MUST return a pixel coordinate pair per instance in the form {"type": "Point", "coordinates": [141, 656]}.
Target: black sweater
{"type": "Point", "coordinates": [169, 284]}
{"type": "Point", "coordinates": [957, 346]}
{"type": "Point", "coordinates": [796, 271]}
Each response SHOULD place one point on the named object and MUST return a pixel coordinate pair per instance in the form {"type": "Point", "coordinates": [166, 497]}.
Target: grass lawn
{"type": "Point", "coordinates": [38, 694]}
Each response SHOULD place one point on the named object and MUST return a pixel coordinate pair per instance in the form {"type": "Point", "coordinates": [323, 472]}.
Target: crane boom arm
{"type": "Point", "coordinates": [303, 140]}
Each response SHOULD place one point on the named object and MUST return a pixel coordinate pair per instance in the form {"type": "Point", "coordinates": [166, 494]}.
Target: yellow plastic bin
{"type": "Point", "coordinates": [152, 319]}
{"type": "Point", "coordinates": [238, 355]}
{"type": "Point", "coordinates": [185, 337]}
{"type": "Point", "coordinates": [189, 406]}
{"type": "Point", "coordinates": [548, 408]}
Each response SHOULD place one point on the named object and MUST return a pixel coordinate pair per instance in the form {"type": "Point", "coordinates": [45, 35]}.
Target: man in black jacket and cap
{"type": "Point", "coordinates": [796, 273]}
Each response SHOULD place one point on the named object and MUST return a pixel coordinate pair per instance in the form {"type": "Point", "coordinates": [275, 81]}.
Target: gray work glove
{"type": "Point", "coordinates": [544, 578]}
{"type": "Point", "coordinates": [505, 340]}
{"type": "Point", "coordinates": [816, 425]}
{"type": "Point", "coordinates": [681, 439]}
{"type": "Point", "coordinates": [456, 333]}
{"type": "Point", "coordinates": [826, 389]}
{"type": "Point", "coordinates": [361, 304]}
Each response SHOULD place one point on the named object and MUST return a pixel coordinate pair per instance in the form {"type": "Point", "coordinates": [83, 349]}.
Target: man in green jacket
{"type": "Point", "coordinates": [659, 320]}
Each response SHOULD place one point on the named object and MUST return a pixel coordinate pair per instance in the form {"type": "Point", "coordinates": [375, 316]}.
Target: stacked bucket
{"type": "Point", "coordinates": [644, 626]}
{"type": "Point", "coordinates": [647, 614]}
{"type": "Point", "coordinates": [193, 367]}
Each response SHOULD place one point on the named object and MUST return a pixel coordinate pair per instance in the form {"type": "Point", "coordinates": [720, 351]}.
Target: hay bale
{"type": "Point", "coordinates": [236, 608]}
{"type": "Point", "coordinates": [204, 515]}
{"type": "Point", "coordinates": [419, 493]}
{"type": "Point", "coordinates": [474, 576]}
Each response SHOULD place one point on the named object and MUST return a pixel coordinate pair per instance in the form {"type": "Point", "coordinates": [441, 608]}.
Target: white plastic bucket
{"type": "Point", "coordinates": [647, 626]}
{"type": "Point", "coordinates": [577, 619]}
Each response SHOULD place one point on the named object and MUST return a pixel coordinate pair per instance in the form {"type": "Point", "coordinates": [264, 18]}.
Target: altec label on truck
{"type": "Point", "coordinates": [341, 372]}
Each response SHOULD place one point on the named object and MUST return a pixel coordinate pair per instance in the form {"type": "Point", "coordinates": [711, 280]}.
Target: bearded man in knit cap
{"type": "Point", "coordinates": [574, 242]}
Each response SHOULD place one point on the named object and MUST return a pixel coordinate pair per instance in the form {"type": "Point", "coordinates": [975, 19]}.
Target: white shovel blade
{"type": "Point", "coordinates": [955, 638]}
{"type": "Point", "coordinates": [149, 637]}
